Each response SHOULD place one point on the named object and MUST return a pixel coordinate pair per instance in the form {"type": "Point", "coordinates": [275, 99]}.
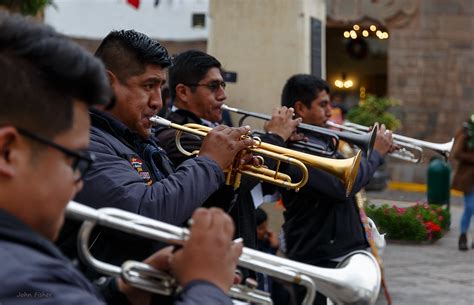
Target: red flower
{"type": "Point", "coordinates": [432, 227]}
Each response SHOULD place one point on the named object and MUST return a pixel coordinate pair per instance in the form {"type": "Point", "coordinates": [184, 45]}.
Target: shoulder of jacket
{"type": "Point", "coordinates": [101, 140]}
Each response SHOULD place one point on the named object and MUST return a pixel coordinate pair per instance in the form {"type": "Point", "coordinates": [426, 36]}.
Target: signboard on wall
{"type": "Point", "coordinates": [316, 68]}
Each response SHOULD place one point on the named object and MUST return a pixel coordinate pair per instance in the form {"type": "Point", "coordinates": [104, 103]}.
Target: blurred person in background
{"type": "Point", "coordinates": [267, 241]}
{"type": "Point", "coordinates": [463, 152]}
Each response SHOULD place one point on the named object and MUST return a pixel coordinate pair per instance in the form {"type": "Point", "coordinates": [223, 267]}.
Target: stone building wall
{"type": "Point", "coordinates": [431, 70]}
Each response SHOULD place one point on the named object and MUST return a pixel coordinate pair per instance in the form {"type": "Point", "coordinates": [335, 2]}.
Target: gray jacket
{"type": "Point", "coordinates": [34, 272]}
{"type": "Point", "coordinates": [121, 177]}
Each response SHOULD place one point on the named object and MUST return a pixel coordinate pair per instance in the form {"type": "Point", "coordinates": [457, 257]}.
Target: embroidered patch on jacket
{"type": "Point", "coordinates": [138, 165]}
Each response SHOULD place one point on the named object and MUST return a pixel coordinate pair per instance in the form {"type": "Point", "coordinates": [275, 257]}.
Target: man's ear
{"type": "Point", "coordinates": [182, 93]}
{"type": "Point", "coordinates": [300, 109]}
{"type": "Point", "coordinates": [8, 151]}
{"type": "Point", "coordinates": [113, 79]}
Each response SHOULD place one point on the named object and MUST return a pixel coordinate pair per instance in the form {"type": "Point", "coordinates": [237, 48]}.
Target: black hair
{"type": "Point", "coordinates": [190, 67]}
{"type": "Point", "coordinates": [127, 53]}
{"type": "Point", "coordinates": [260, 216]}
{"type": "Point", "coordinates": [42, 73]}
{"type": "Point", "coordinates": [304, 88]}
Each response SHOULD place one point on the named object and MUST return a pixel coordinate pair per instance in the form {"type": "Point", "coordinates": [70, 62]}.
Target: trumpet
{"type": "Point", "coordinates": [355, 281]}
{"type": "Point", "coordinates": [344, 169]}
{"type": "Point", "coordinates": [365, 141]}
{"type": "Point", "coordinates": [410, 149]}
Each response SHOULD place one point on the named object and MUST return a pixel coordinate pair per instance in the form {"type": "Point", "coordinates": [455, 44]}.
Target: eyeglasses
{"type": "Point", "coordinates": [82, 160]}
{"type": "Point", "coordinates": [213, 85]}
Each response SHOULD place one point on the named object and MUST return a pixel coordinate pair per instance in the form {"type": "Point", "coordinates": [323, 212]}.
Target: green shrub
{"type": "Point", "coordinates": [421, 222]}
{"type": "Point", "coordinates": [26, 7]}
{"type": "Point", "coordinates": [374, 109]}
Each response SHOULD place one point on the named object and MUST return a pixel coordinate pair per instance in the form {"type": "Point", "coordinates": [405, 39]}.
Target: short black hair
{"type": "Point", "coordinates": [127, 53]}
{"type": "Point", "coordinates": [304, 88]}
{"type": "Point", "coordinates": [42, 73]}
{"type": "Point", "coordinates": [260, 216]}
{"type": "Point", "coordinates": [190, 67]}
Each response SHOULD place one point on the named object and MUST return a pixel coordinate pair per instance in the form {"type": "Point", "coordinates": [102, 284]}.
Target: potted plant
{"type": "Point", "coordinates": [369, 111]}
{"type": "Point", "coordinates": [26, 7]}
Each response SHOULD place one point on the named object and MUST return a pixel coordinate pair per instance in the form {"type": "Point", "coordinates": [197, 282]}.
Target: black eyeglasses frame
{"type": "Point", "coordinates": [82, 160]}
{"type": "Point", "coordinates": [212, 85]}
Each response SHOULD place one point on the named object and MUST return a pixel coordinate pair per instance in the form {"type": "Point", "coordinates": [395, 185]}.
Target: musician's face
{"type": "Point", "coordinates": [319, 112]}
{"type": "Point", "coordinates": [206, 101]}
{"type": "Point", "coordinates": [44, 181]}
{"type": "Point", "coordinates": [139, 98]}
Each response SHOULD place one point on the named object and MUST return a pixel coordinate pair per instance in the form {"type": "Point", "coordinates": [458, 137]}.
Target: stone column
{"type": "Point", "coordinates": [266, 42]}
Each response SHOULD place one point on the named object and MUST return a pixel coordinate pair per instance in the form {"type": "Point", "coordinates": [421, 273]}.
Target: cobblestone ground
{"type": "Point", "coordinates": [430, 274]}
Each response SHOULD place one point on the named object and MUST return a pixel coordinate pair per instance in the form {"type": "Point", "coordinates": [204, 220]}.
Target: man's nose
{"type": "Point", "coordinates": [220, 94]}
{"type": "Point", "coordinates": [327, 111]}
{"type": "Point", "coordinates": [156, 103]}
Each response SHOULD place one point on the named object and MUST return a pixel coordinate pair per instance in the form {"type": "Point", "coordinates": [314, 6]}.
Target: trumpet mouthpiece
{"type": "Point", "coordinates": [159, 121]}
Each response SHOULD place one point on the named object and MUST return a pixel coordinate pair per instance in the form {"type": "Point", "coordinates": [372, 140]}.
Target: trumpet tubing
{"type": "Point", "coordinates": [355, 281]}
{"type": "Point", "coordinates": [443, 149]}
{"type": "Point", "coordinates": [364, 141]}
{"type": "Point", "coordinates": [344, 169]}
{"type": "Point", "coordinates": [234, 172]}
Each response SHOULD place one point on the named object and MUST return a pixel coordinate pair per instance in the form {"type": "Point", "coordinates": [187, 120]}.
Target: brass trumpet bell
{"type": "Point", "coordinates": [344, 169]}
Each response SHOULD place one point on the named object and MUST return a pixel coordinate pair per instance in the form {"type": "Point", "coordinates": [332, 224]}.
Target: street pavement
{"type": "Point", "coordinates": [420, 274]}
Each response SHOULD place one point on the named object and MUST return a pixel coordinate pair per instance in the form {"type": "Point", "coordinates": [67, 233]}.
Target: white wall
{"type": "Point", "coordinates": [94, 19]}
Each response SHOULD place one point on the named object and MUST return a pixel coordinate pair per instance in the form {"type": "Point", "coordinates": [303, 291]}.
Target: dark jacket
{"type": "Point", "coordinates": [238, 204]}
{"type": "Point", "coordinates": [320, 222]}
{"type": "Point", "coordinates": [33, 271]}
{"type": "Point", "coordinates": [463, 179]}
{"type": "Point", "coordinates": [124, 177]}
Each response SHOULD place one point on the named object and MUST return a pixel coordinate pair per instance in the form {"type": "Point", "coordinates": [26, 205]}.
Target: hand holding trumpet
{"type": "Point", "coordinates": [209, 254]}
{"type": "Point", "coordinates": [283, 124]}
{"type": "Point", "coordinates": [223, 143]}
{"type": "Point", "coordinates": [384, 141]}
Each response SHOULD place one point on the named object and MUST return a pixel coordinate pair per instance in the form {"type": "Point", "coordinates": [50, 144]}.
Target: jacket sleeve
{"type": "Point", "coordinates": [459, 150]}
{"type": "Point", "coordinates": [331, 186]}
{"type": "Point", "coordinates": [112, 181]}
{"type": "Point", "coordinates": [201, 292]}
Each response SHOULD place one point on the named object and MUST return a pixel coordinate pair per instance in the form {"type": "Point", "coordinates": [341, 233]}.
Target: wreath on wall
{"type": "Point", "coordinates": [357, 48]}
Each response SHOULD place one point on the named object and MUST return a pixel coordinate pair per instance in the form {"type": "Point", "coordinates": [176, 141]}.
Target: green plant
{"type": "Point", "coordinates": [421, 222]}
{"type": "Point", "coordinates": [374, 109]}
{"type": "Point", "coordinates": [26, 7]}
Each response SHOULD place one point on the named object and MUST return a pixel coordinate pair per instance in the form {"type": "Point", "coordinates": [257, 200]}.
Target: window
{"type": "Point", "coordinates": [199, 20]}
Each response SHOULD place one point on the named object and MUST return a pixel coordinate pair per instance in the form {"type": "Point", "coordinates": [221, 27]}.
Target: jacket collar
{"type": "Point", "coordinates": [14, 230]}
{"type": "Point", "coordinates": [105, 121]}
{"type": "Point", "coordinates": [110, 124]}
{"type": "Point", "coordinates": [181, 116]}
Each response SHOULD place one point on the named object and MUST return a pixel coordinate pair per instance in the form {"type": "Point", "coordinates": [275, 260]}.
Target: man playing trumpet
{"type": "Point", "coordinates": [322, 225]}
{"type": "Point", "coordinates": [131, 171]}
{"type": "Point", "coordinates": [198, 91]}
{"type": "Point", "coordinates": [48, 83]}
